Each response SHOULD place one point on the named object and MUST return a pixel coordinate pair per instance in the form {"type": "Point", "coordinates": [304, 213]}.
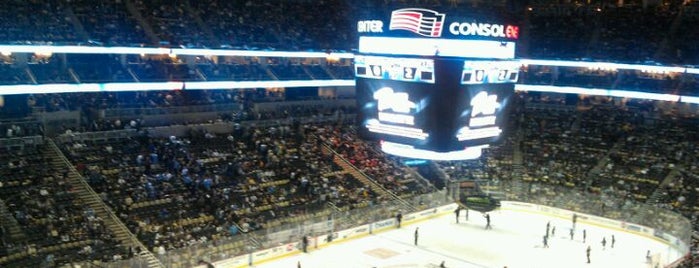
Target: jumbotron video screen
{"type": "Point", "coordinates": [434, 85]}
{"type": "Point", "coordinates": [433, 108]}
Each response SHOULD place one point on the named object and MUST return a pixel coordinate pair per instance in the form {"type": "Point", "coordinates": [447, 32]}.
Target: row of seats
{"type": "Point", "coordinates": [101, 68]}
{"type": "Point", "coordinates": [50, 225]}
{"type": "Point", "coordinates": [252, 176]}
{"type": "Point", "coordinates": [553, 30]}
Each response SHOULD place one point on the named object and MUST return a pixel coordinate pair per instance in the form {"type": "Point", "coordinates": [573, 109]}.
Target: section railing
{"type": "Point", "coordinates": [132, 112]}
{"type": "Point", "coordinates": [392, 195]}
{"type": "Point", "coordinates": [324, 221]}
{"type": "Point", "coordinates": [145, 258]}
{"type": "Point", "coordinates": [607, 205]}
{"type": "Point", "coordinates": [329, 220]}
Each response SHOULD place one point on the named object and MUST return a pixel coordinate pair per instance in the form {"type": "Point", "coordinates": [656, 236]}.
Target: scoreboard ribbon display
{"type": "Point", "coordinates": [397, 69]}
{"type": "Point", "coordinates": [433, 108]}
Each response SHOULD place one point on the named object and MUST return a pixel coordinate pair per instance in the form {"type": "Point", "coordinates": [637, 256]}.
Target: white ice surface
{"type": "Point", "coordinates": [516, 240]}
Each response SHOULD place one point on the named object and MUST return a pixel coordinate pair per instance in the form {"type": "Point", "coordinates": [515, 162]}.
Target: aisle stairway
{"type": "Point", "coordinates": [89, 197]}
{"type": "Point", "coordinates": [196, 16]}
{"type": "Point", "coordinates": [12, 227]}
{"type": "Point", "coordinates": [601, 164]}
{"type": "Point", "coordinates": [78, 28]}
{"type": "Point", "coordinates": [665, 50]}
{"type": "Point", "coordinates": [657, 195]}
{"type": "Point", "coordinates": [363, 178]}
{"type": "Point", "coordinates": [518, 170]}
{"type": "Point", "coordinates": [518, 185]}
{"type": "Point", "coordinates": [147, 28]}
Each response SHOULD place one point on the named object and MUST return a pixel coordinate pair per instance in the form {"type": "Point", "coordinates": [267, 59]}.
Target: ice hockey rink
{"type": "Point", "coordinates": [515, 240]}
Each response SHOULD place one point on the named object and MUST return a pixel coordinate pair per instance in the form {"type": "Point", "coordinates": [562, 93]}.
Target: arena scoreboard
{"type": "Point", "coordinates": [428, 96]}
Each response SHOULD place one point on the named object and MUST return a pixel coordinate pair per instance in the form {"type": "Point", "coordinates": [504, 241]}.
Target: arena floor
{"type": "Point", "coordinates": [515, 240]}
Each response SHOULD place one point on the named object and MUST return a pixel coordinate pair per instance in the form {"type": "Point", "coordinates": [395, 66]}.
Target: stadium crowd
{"type": "Point", "coordinates": [164, 188]}
{"type": "Point", "coordinates": [608, 30]}
{"type": "Point", "coordinates": [621, 153]}
{"type": "Point", "coordinates": [45, 224]}
{"type": "Point", "coordinates": [160, 187]}
{"type": "Point", "coordinates": [371, 162]}
{"type": "Point", "coordinates": [609, 78]}
{"type": "Point", "coordinates": [261, 177]}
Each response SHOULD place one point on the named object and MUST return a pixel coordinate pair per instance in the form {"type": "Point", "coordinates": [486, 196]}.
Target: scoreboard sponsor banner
{"type": "Point", "coordinates": [424, 22]}
{"type": "Point", "coordinates": [430, 32]}
{"type": "Point", "coordinates": [430, 23]}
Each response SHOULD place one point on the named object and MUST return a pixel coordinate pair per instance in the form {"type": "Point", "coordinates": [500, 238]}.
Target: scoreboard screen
{"type": "Point", "coordinates": [397, 69]}
{"type": "Point", "coordinates": [487, 72]}
{"type": "Point", "coordinates": [432, 83]}
{"type": "Point", "coordinates": [433, 108]}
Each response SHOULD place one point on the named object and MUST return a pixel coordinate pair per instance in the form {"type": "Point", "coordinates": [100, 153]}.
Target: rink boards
{"type": "Point", "coordinates": [316, 242]}
{"type": "Point", "coordinates": [621, 226]}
